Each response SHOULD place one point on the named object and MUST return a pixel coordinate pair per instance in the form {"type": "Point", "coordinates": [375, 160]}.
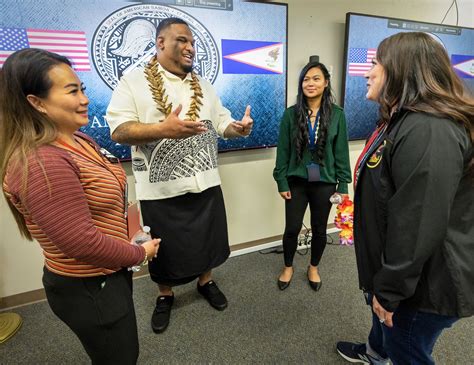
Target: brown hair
{"type": "Point", "coordinates": [419, 78]}
{"type": "Point", "coordinates": [22, 128]}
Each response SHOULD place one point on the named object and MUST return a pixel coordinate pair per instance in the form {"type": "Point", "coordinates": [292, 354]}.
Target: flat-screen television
{"type": "Point", "coordinates": [241, 48]}
{"type": "Point", "coordinates": [364, 33]}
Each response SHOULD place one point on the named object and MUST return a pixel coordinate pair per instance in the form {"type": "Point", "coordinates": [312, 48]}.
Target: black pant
{"type": "Point", "coordinates": [317, 194]}
{"type": "Point", "coordinates": [100, 311]}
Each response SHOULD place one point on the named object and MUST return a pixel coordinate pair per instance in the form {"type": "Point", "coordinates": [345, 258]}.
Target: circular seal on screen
{"type": "Point", "coordinates": [125, 40]}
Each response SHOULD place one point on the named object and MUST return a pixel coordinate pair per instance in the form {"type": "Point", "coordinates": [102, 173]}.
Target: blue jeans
{"type": "Point", "coordinates": [412, 337]}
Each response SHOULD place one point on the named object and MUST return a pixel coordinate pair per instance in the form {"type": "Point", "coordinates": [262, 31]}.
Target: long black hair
{"type": "Point", "coordinates": [302, 111]}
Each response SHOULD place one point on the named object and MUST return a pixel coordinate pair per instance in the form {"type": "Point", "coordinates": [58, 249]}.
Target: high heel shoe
{"type": "Point", "coordinates": [315, 285]}
{"type": "Point", "coordinates": [282, 285]}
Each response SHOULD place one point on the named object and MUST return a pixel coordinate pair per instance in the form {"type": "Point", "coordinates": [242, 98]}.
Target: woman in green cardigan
{"type": "Point", "coordinates": [312, 165]}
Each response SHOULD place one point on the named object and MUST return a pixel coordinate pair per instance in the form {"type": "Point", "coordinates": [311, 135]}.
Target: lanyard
{"type": "Point", "coordinates": [374, 139]}
{"type": "Point", "coordinates": [313, 132]}
{"type": "Point", "coordinates": [91, 154]}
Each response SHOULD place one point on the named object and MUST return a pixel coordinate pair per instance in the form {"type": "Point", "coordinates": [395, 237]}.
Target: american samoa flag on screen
{"type": "Point", "coordinates": [463, 65]}
{"type": "Point", "coordinates": [360, 60]}
{"type": "Point", "coordinates": [252, 57]}
{"type": "Point", "coordinates": [71, 44]}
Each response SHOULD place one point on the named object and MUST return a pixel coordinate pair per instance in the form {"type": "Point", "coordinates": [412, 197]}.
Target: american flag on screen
{"type": "Point", "coordinates": [360, 60]}
{"type": "Point", "coordinates": [71, 44]}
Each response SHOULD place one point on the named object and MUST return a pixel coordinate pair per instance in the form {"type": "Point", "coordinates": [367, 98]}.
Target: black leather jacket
{"type": "Point", "coordinates": [414, 217]}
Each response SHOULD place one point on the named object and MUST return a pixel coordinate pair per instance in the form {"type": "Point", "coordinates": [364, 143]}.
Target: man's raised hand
{"type": "Point", "coordinates": [244, 127]}
{"type": "Point", "coordinates": [175, 128]}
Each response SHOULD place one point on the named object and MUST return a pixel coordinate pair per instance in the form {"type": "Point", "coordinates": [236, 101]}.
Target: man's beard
{"type": "Point", "coordinates": [187, 68]}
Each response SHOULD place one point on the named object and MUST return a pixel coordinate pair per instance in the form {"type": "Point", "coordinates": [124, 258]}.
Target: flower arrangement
{"type": "Point", "coordinates": [344, 221]}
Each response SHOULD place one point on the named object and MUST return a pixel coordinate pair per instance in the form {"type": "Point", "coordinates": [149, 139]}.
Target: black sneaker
{"type": "Point", "coordinates": [213, 295]}
{"type": "Point", "coordinates": [357, 353]}
{"type": "Point", "coordinates": [161, 315]}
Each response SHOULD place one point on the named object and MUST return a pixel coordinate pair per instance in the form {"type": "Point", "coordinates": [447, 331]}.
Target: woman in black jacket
{"type": "Point", "coordinates": [414, 203]}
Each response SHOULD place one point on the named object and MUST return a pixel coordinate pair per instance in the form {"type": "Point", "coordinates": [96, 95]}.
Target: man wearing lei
{"type": "Point", "coordinates": [172, 118]}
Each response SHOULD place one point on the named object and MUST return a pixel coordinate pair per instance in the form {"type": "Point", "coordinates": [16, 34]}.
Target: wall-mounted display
{"type": "Point", "coordinates": [241, 47]}
{"type": "Point", "coordinates": [364, 33]}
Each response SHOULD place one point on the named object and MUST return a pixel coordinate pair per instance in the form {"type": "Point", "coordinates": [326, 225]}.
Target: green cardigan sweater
{"type": "Point", "coordinates": [336, 169]}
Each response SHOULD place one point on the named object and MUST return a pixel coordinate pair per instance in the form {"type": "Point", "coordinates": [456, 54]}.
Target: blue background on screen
{"type": "Point", "coordinates": [367, 32]}
{"type": "Point", "coordinates": [247, 21]}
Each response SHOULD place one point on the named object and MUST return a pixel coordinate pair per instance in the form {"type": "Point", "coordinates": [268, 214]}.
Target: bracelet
{"type": "Point", "coordinates": [145, 260]}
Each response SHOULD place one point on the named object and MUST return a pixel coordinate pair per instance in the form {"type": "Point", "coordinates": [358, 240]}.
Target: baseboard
{"type": "Point", "coordinates": [38, 295]}
{"type": "Point", "coordinates": [22, 299]}
{"type": "Point", "coordinates": [237, 251]}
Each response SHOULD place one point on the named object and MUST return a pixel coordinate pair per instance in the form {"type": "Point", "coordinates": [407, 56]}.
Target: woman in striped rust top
{"type": "Point", "coordinates": [65, 194]}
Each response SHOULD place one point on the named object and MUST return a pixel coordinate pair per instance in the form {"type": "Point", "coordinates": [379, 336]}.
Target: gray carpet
{"type": "Point", "coordinates": [261, 324]}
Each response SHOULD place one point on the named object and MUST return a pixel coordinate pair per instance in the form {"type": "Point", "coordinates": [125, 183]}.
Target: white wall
{"type": "Point", "coordinates": [254, 208]}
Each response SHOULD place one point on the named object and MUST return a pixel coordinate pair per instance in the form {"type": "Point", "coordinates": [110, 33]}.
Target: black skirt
{"type": "Point", "coordinates": [193, 232]}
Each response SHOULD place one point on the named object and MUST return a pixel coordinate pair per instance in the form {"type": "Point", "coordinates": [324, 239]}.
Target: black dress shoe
{"type": "Point", "coordinates": [161, 315]}
{"type": "Point", "coordinates": [315, 285]}
{"type": "Point", "coordinates": [213, 295]}
{"type": "Point", "coordinates": [282, 285]}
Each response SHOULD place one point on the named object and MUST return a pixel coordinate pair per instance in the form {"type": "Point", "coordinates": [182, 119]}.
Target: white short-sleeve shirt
{"type": "Point", "coordinates": [170, 167]}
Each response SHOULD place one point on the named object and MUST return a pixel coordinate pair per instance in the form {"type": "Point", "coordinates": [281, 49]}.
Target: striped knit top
{"type": "Point", "coordinates": [74, 207]}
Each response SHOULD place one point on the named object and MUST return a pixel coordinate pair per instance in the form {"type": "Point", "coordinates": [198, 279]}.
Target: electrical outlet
{"type": "Point", "coordinates": [304, 239]}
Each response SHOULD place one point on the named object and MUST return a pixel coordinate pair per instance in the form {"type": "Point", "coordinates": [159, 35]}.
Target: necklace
{"type": "Point", "coordinates": [313, 131]}
{"type": "Point", "coordinates": [155, 82]}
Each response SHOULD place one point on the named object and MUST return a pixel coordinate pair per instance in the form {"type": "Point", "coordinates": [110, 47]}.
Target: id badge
{"type": "Point", "coordinates": [313, 172]}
